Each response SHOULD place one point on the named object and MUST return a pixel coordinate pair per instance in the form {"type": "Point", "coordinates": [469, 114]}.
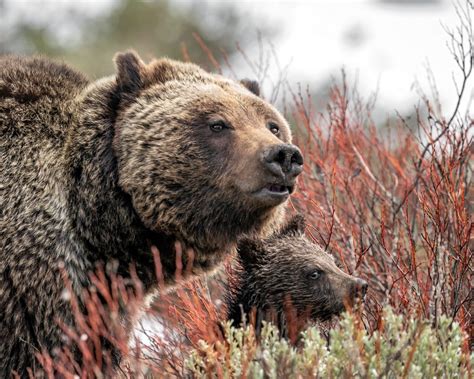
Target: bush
{"type": "Point", "coordinates": [397, 349]}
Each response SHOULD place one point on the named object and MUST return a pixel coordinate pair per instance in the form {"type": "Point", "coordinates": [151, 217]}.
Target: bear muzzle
{"type": "Point", "coordinates": [359, 288]}
{"type": "Point", "coordinates": [284, 160]}
{"type": "Point", "coordinates": [282, 164]}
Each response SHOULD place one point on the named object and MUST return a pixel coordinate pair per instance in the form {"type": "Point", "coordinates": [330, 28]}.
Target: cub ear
{"type": "Point", "coordinates": [250, 250]}
{"type": "Point", "coordinates": [130, 71]}
{"type": "Point", "coordinates": [295, 226]}
{"type": "Point", "coordinates": [251, 85]}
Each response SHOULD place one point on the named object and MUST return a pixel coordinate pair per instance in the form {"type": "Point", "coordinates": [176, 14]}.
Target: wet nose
{"type": "Point", "coordinates": [284, 158]}
{"type": "Point", "coordinates": [360, 288]}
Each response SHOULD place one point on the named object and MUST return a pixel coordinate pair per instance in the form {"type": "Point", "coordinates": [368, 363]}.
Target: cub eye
{"type": "Point", "coordinates": [315, 275]}
{"type": "Point", "coordinates": [217, 126]}
{"type": "Point", "coordinates": [274, 128]}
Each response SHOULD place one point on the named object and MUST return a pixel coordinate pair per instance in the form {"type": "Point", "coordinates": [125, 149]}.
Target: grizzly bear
{"type": "Point", "coordinates": [93, 172]}
{"type": "Point", "coordinates": [287, 275]}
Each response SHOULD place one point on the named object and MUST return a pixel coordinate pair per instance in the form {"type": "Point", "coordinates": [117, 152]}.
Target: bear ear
{"type": "Point", "coordinates": [295, 226]}
{"type": "Point", "coordinates": [130, 71]}
{"type": "Point", "coordinates": [251, 85]}
{"type": "Point", "coordinates": [250, 250]}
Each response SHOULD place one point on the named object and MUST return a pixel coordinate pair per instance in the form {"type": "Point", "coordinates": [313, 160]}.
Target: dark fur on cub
{"type": "Point", "coordinates": [287, 273]}
{"type": "Point", "coordinates": [98, 171]}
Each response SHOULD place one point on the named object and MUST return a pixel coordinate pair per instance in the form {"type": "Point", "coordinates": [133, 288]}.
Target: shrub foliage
{"type": "Point", "coordinates": [398, 349]}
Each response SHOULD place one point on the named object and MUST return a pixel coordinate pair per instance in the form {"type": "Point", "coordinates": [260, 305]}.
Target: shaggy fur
{"type": "Point", "coordinates": [288, 275]}
{"type": "Point", "coordinates": [94, 172]}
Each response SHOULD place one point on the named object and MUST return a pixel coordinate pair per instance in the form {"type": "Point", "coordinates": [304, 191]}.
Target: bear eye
{"type": "Point", "coordinates": [217, 126]}
{"type": "Point", "coordinates": [315, 275]}
{"type": "Point", "coordinates": [273, 128]}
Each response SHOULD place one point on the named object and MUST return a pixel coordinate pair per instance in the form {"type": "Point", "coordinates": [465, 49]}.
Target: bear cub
{"type": "Point", "coordinates": [288, 275]}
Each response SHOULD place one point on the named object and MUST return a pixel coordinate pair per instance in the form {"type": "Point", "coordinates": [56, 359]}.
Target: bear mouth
{"type": "Point", "coordinates": [274, 193]}
{"type": "Point", "coordinates": [278, 189]}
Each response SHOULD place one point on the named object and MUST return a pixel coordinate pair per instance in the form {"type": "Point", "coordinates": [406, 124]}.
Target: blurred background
{"type": "Point", "coordinates": [386, 47]}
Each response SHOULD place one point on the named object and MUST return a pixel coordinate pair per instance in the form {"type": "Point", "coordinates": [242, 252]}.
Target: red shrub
{"type": "Point", "coordinates": [392, 210]}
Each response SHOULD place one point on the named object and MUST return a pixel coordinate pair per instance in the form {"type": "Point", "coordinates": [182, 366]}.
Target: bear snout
{"type": "Point", "coordinates": [359, 288]}
{"type": "Point", "coordinates": [284, 160]}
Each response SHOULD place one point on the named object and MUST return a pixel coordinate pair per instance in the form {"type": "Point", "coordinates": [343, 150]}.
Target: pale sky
{"type": "Point", "coordinates": [387, 46]}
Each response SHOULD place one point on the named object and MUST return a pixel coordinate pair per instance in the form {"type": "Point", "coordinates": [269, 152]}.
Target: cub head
{"type": "Point", "coordinates": [289, 269]}
{"type": "Point", "coordinates": [203, 158]}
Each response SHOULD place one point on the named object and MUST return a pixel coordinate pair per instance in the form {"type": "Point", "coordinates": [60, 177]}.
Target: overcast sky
{"type": "Point", "coordinates": [387, 45]}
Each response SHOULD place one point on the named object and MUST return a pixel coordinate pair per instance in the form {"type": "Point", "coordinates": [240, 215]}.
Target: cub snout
{"type": "Point", "coordinates": [359, 288]}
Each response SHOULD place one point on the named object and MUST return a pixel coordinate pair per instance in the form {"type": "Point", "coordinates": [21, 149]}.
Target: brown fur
{"type": "Point", "coordinates": [272, 279]}
{"type": "Point", "coordinates": [93, 172]}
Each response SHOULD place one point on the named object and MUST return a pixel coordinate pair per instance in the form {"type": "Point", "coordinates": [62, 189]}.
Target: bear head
{"type": "Point", "coordinates": [203, 158]}
{"type": "Point", "coordinates": [289, 270]}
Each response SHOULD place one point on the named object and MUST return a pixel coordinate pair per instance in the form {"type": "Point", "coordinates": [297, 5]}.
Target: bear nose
{"type": "Point", "coordinates": [283, 158]}
{"type": "Point", "coordinates": [360, 287]}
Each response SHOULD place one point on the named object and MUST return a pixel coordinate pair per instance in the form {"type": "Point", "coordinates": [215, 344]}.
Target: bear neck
{"type": "Point", "coordinates": [102, 215]}
{"type": "Point", "coordinates": [247, 302]}
{"type": "Point", "coordinates": [243, 310]}
{"type": "Point", "coordinates": [246, 307]}
{"type": "Point", "coordinates": [243, 296]}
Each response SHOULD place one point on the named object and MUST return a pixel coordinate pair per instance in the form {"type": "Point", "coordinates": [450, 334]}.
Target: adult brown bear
{"type": "Point", "coordinates": [93, 172]}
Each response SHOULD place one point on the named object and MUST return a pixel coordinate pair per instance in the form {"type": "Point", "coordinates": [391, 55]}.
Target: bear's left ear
{"type": "Point", "coordinates": [295, 226]}
{"type": "Point", "coordinates": [250, 251]}
{"type": "Point", "coordinates": [130, 71]}
{"type": "Point", "coordinates": [251, 85]}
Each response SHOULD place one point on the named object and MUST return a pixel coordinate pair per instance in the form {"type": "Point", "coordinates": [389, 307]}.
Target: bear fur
{"type": "Point", "coordinates": [93, 172]}
{"type": "Point", "coordinates": [287, 275]}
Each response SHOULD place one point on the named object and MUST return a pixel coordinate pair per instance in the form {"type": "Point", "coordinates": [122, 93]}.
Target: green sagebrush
{"type": "Point", "coordinates": [401, 348]}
